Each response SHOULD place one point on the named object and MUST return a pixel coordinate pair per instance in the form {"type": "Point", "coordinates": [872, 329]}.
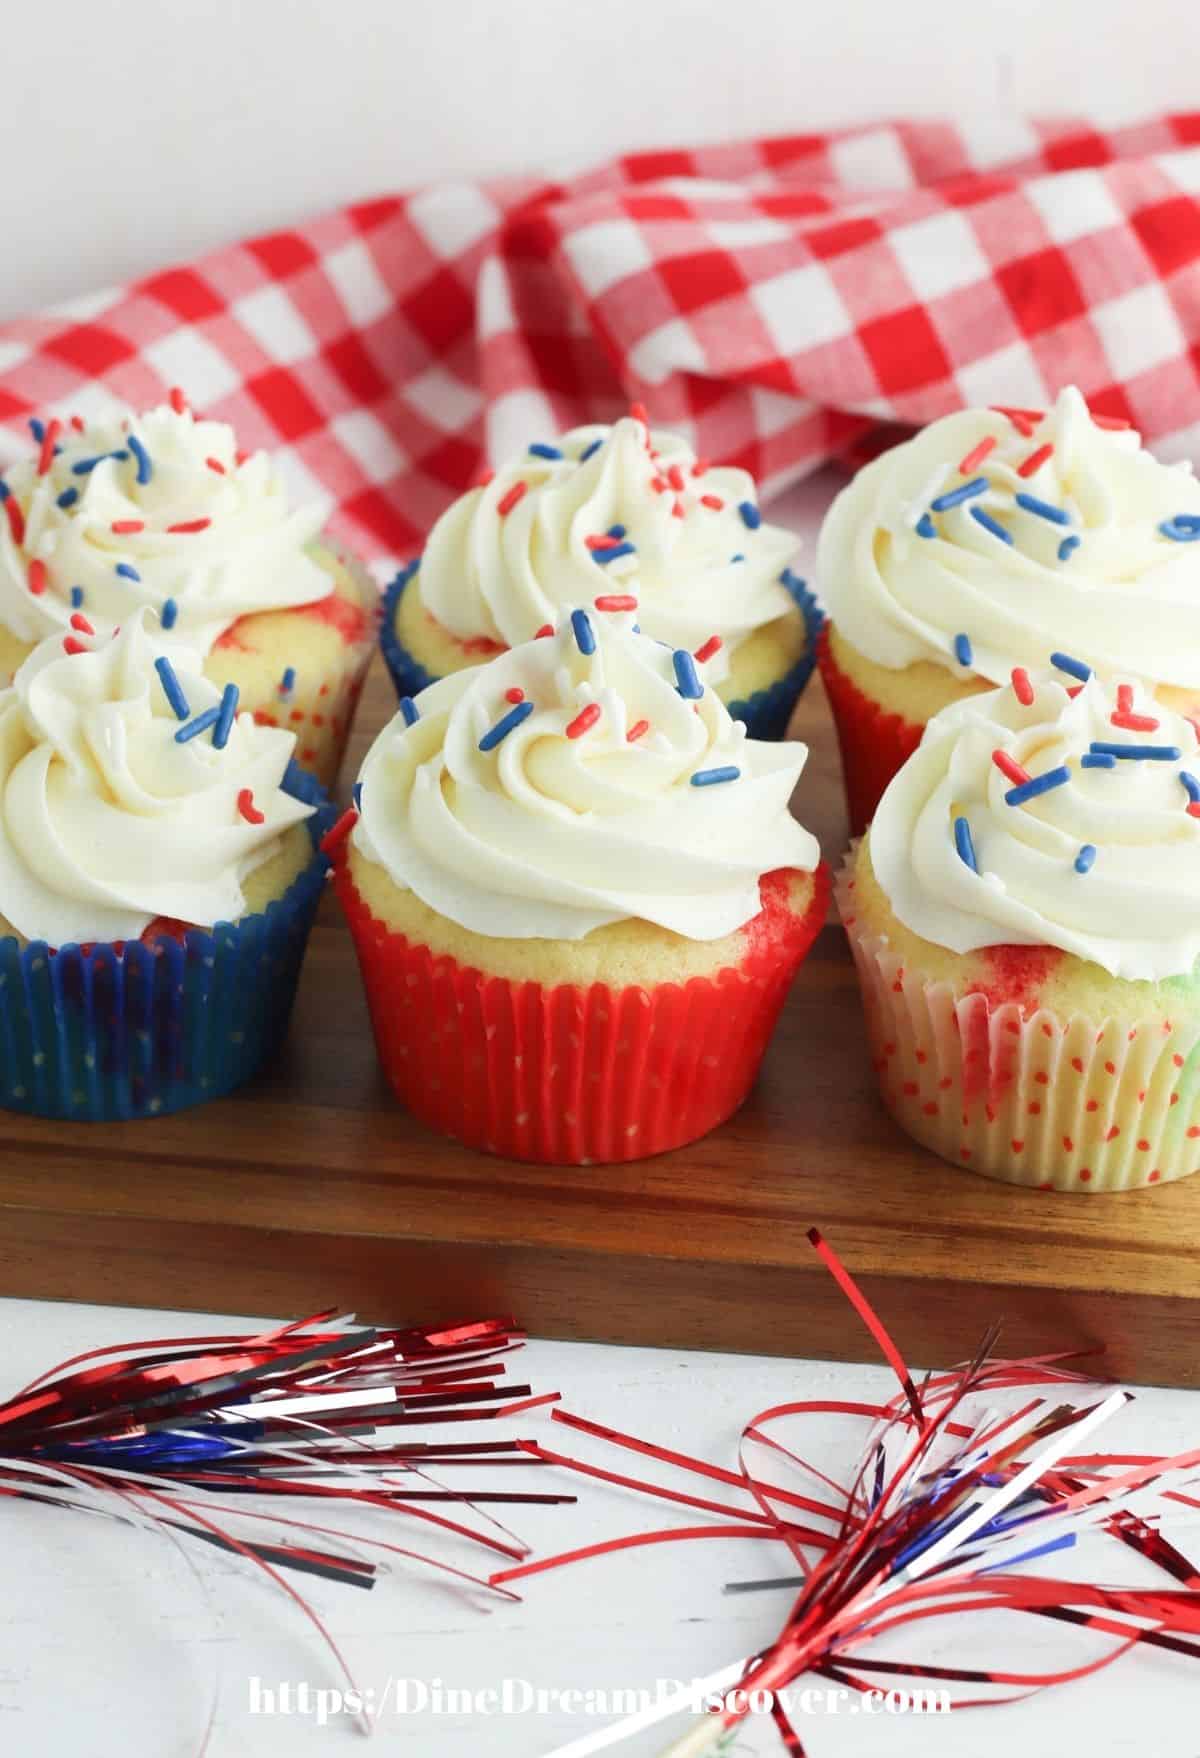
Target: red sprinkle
{"type": "Point", "coordinates": [248, 809]}
{"type": "Point", "coordinates": [80, 622]}
{"type": "Point", "coordinates": [516, 694]}
{"type": "Point", "coordinates": [1035, 460]}
{"type": "Point", "coordinates": [241, 458]}
{"type": "Point", "coordinates": [1024, 420]}
{"type": "Point", "coordinates": [125, 527]}
{"type": "Point", "coordinates": [604, 541]}
{"type": "Point", "coordinates": [711, 646]}
{"type": "Point", "coordinates": [215, 464]}
{"type": "Point", "coordinates": [16, 519]}
{"type": "Point", "coordinates": [636, 730]}
{"type": "Point", "coordinates": [546, 629]}
{"type": "Point", "coordinates": [712, 500]}
{"type": "Point", "coordinates": [1135, 722]}
{"type": "Point", "coordinates": [1125, 698]}
{"type": "Point", "coordinates": [77, 423]}
{"type": "Point", "coordinates": [177, 400]}
{"type": "Point", "coordinates": [336, 836]}
{"type": "Point", "coordinates": [485, 477]}
{"type": "Point", "coordinates": [615, 601]}
{"type": "Point", "coordinates": [700, 467]}
{"type": "Point", "coordinates": [677, 511]}
{"type": "Point", "coordinates": [584, 720]}
{"type": "Point", "coordinates": [72, 645]}
{"type": "Point", "coordinates": [1022, 687]}
{"type": "Point", "coordinates": [976, 455]}
{"type": "Point", "coordinates": [1194, 808]}
{"type": "Point", "coordinates": [190, 525]}
{"type": "Point", "coordinates": [638, 411]}
{"type": "Point", "coordinates": [37, 577]}
{"type": "Point", "coordinates": [675, 478]}
{"type": "Point", "coordinates": [1009, 766]}
{"type": "Point", "coordinates": [1112, 423]}
{"type": "Point", "coordinates": [46, 455]}
{"type": "Point", "coordinates": [658, 484]}
{"type": "Point", "coordinates": [514, 497]}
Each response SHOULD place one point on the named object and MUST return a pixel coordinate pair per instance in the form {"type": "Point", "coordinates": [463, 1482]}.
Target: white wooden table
{"type": "Point", "coordinates": [111, 1645]}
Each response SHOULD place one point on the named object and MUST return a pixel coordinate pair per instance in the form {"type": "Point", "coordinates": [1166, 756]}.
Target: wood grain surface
{"type": "Point", "coordinates": [313, 1188]}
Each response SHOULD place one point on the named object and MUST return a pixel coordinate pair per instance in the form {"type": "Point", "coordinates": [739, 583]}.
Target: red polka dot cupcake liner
{"type": "Point", "coordinates": [576, 1075]}
{"type": "Point", "coordinates": [1030, 1097]}
{"type": "Point", "coordinates": [874, 743]}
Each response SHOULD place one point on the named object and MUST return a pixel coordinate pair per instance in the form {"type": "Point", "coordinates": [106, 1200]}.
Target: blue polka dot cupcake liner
{"type": "Point", "coordinates": [766, 713]}
{"type": "Point", "coordinates": [127, 1030]}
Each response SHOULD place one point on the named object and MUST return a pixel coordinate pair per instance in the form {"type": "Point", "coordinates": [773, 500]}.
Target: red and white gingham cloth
{"type": "Point", "coordinates": [773, 299]}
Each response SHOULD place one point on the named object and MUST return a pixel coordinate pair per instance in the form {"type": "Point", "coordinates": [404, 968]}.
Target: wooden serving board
{"type": "Point", "coordinates": [313, 1188]}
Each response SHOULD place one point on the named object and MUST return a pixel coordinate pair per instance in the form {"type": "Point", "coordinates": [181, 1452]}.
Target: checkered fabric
{"type": "Point", "coordinates": [773, 299]}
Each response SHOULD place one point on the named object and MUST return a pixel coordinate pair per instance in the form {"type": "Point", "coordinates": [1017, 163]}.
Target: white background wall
{"type": "Point", "coordinates": [133, 135]}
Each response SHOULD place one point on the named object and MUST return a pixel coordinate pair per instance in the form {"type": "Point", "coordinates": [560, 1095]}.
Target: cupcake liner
{"type": "Point", "coordinates": [874, 743]}
{"type": "Point", "coordinates": [573, 1075]}
{"type": "Point", "coordinates": [1041, 1099]}
{"type": "Point", "coordinates": [122, 1030]}
{"type": "Point", "coordinates": [408, 675]}
{"type": "Point", "coordinates": [766, 713]}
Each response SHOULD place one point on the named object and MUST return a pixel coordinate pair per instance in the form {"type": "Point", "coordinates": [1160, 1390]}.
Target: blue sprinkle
{"type": "Point", "coordinates": [172, 688]}
{"type": "Point", "coordinates": [127, 571]}
{"type": "Point", "coordinates": [962, 649]}
{"type": "Point", "coordinates": [540, 451]}
{"type": "Point", "coordinates": [287, 682]}
{"type": "Point", "coordinates": [145, 469]}
{"type": "Point", "coordinates": [76, 597]}
{"type": "Point", "coordinates": [686, 676]}
{"type": "Point", "coordinates": [710, 777]}
{"type": "Point", "coordinates": [964, 844]}
{"type": "Point", "coordinates": [588, 450]}
{"type": "Point", "coordinates": [5, 491]}
{"type": "Point", "coordinates": [195, 727]}
{"type": "Point", "coordinates": [225, 716]}
{"type": "Point", "coordinates": [67, 498]}
{"type": "Point", "coordinates": [990, 524]}
{"type": "Point", "coordinates": [356, 796]}
{"type": "Point", "coordinates": [737, 558]}
{"type": "Point", "coordinates": [1183, 528]}
{"type": "Point", "coordinates": [925, 526]}
{"type": "Point", "coordinates": [602, 557]}
{"type": "Point", "coordinates": [169, 613]}
{"type": "Point", "coordinates": [37, 429]}
{"type": "Point", "coordinates": [1033, 503]}
{"type": "Point", "coordinates": [585, 639]}
{"type": "Point", "coordinates": [1139, 753]}
{"type": "Point", "coordinates": [1094, 760]}
{"type": "Point", "coordinates": [1085, 858]}
{"type": "Point", "coordinates": [751, 517]}
{"type": "Point", "coordinates": [1191, 784]}
{"type": "Point", "coordinates": [507, 724]}
{"type": "Point", "coordinates": [1067, 548]}
{"type": "Point", "coordinates": [409, 710]}
{"type": "Point", "coordinates": [954, 497]}
{"type": "Point", "coordinates": [1074, 668]}
{"type": "Point", "coordinates": [616, 531]}
{"type": "Point", "coordinates": [1040, 784]}
{"type": "Point", "coordinates": [85, 466]}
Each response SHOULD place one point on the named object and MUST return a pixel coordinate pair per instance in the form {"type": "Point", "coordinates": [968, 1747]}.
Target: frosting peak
{"type": "Point", "coordinates": [157, 510]}
{"type": "Point", "coordinates": [585, 778]}
{"type": "Point", "coordinates": [107, 819]}
{"type": "Point", "coordinates": [1051, 815]}
{"type": "Point", "coordinates": [621, 509]}
{"type": "Point", "coordinates": [1008, 528]}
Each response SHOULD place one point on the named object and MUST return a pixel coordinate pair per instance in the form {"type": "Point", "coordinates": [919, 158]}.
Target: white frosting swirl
{"type": "Point", "coordinates": [701, 563]}
{"type": "Point", "coordinates": [1125, 596]}
{"type": "Point", "coordinates": [106, 820]}
{"type": "Point", "coordinates": [550, 835]}
{"type": "Point", "coordinates": [153, 521]}
{"type": "Point", "coordinates": [1132, 904]}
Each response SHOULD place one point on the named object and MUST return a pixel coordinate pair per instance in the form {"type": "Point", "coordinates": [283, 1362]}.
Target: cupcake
{"type": "Point", "coordinates": [578, 897]}
{"type": "Point", "coordinates": [1025, 917]}
{"type": "Point", "coordinates": [162, 510]}
{"type": "Point", "coordinates": [988, 541]}
{"type": "Point", "coordinates": [158, 877]}
{"type": "Point", "coordinates": [610, 516]}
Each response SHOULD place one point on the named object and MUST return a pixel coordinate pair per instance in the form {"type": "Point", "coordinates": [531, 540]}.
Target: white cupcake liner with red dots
{"type": "Point", "coordinates": [1033, 1098]}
